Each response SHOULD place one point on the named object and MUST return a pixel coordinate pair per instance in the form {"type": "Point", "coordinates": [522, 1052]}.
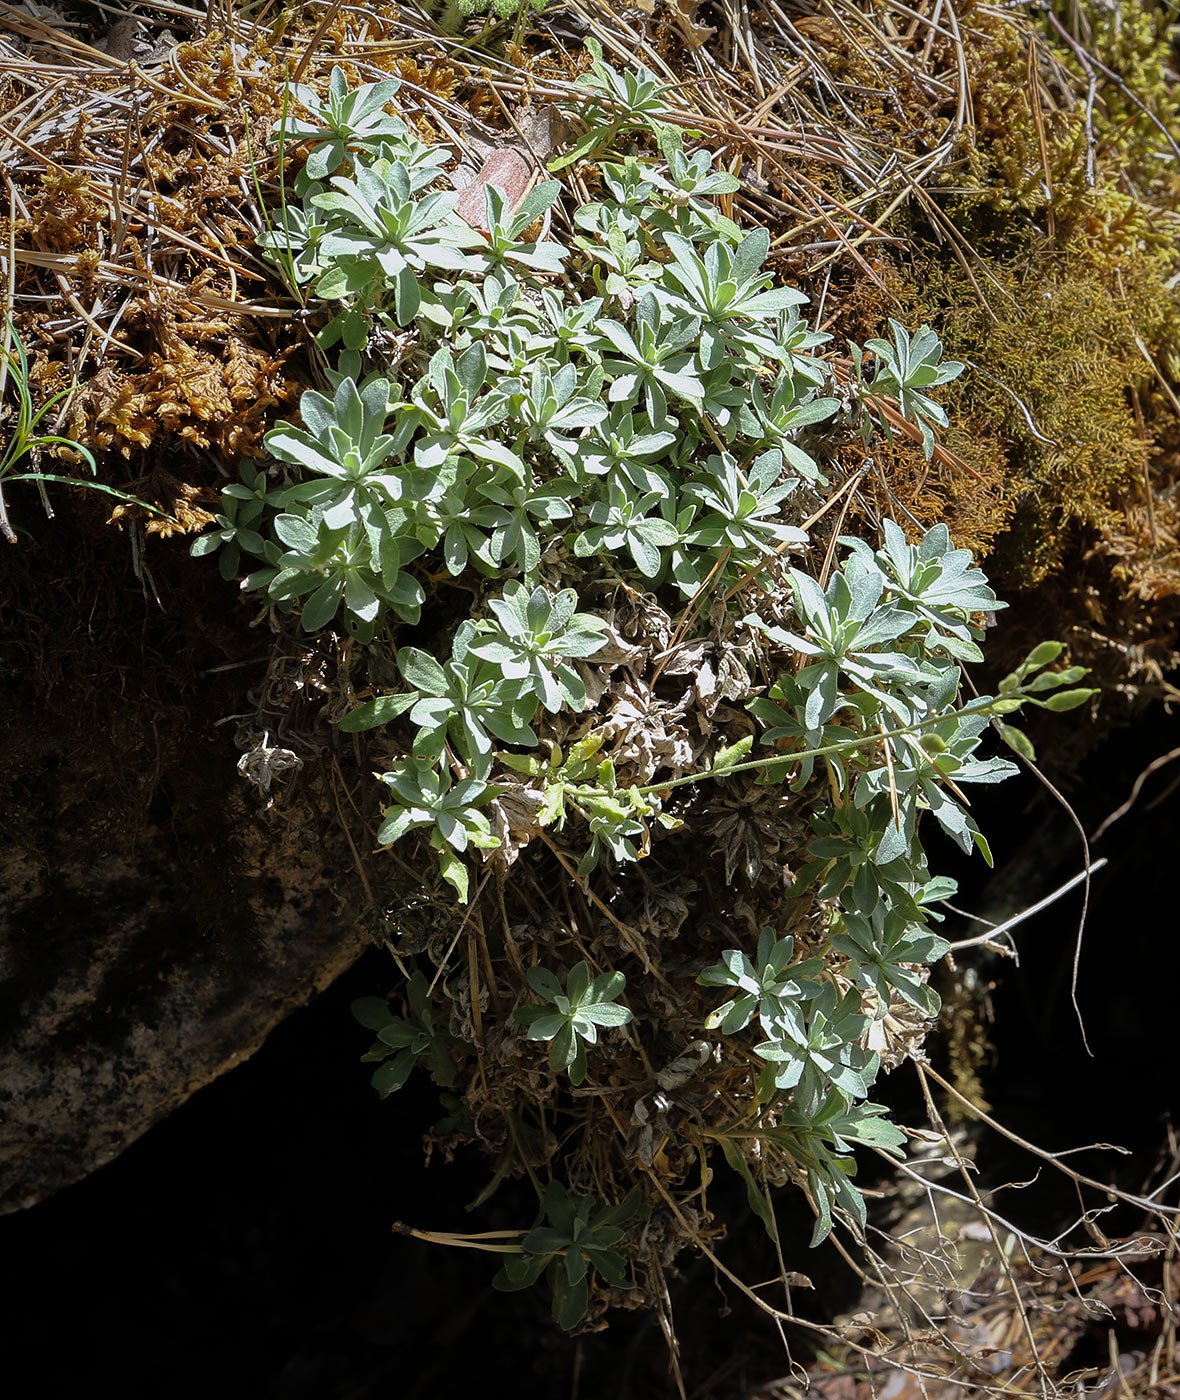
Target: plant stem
{"type": "Point", "coordinates": [977, 707]}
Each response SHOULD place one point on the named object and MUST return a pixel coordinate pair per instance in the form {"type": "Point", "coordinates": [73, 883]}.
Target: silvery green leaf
{"type": "Point", "coordinates": [298, 533]}
{"type": "Point", "coordinates": [605, 1013]}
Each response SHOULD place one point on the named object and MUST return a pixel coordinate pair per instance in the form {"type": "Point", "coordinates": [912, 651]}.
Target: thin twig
{"type": "Point", "coordinates": [1016, 920]}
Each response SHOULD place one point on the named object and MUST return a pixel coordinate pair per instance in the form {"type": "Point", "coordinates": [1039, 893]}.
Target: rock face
{"type": "Point", "coordinates": [159, 915]}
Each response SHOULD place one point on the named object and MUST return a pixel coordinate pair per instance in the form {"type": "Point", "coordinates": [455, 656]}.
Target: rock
{"type": "Point", "coordinates": [159, 916]}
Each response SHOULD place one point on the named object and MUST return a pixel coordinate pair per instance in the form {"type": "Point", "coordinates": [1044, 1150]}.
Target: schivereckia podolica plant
{"type": "Point", "coordinates": [562, 487]}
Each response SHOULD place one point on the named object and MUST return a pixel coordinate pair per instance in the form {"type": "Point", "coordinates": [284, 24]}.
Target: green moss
{"type": "Point", "coordinates": [1056, 371]}
{"type": "Point", "coordinates": [1061, 293]}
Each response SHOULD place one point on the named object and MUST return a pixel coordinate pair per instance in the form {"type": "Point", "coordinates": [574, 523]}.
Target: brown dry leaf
{"type": "Point", "coordinates": [513, 816]}
{"type": "Point", "coordinates": [900, 1034]}
{"type": "Point", "coordinates": [646, 735]}
{"type": "Point", "coordinates": [684, 15]}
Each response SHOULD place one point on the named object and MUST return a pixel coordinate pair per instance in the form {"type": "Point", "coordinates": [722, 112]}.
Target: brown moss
{"type": "Point", "coordinates": [219, 397]}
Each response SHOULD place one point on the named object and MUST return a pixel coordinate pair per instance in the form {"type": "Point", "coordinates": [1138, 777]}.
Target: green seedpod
{"type": "Point", "coordinates": [1067, 700]}
{"type": "Point", "coordinates": [1042, 655]}
{"type": "Point", "coordinates": [1018, 740]}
